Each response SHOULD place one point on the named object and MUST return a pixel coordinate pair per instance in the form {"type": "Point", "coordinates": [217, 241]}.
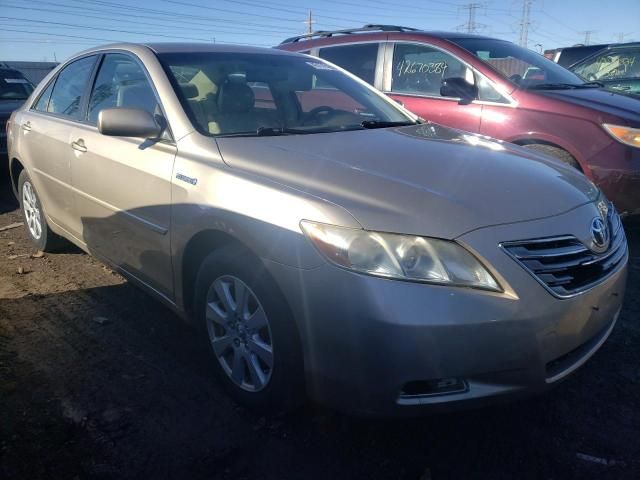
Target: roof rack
{"type": "Point", "coordinates": [348, 31]}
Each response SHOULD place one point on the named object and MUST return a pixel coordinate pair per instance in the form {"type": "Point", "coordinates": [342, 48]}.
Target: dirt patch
{"type": "Point", "coordinates": [97, 380]}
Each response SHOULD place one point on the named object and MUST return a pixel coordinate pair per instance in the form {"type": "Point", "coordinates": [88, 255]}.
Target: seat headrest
{"type": "Point", "coordinates": [189, 90]}
{"type": "Point", "coordinates": [235, 98]}
{"type": "Point", "coordinates": [136, 96]}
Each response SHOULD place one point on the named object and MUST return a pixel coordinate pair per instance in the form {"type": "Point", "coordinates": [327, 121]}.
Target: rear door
{"type": "Point", "coordinates": [123, 185]}
{"type": "Point", "coordinates": [45, 132]}
{"type": "Point", "coordinates": [413, 75]}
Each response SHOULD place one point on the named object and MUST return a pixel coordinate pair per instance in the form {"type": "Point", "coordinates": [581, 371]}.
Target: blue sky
{"type": "Point", "coordinates": [54, 29]}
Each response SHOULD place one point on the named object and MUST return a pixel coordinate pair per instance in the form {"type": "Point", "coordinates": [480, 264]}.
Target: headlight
{"type": "Point", "coordinates": [404, 257]}
{"type": "Point", "coordinates": [626, 135]}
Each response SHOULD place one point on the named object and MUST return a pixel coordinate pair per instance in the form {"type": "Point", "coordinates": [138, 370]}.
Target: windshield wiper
{"type": "Point", "coordinates": [274, 131]}
{"type": "Point", "coordinates": [592, 85]}
{"type": "Point", "coordinates": [385, 124]}
{"type": "Point", "coordinates": [565, 86]}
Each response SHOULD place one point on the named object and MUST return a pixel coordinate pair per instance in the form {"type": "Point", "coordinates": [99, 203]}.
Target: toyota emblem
{"type": "Point", "coordinates": [599, 234]}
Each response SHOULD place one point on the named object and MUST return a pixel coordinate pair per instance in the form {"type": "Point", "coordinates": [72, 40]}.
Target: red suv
{"type": "Point", "coordinates": [496, 88]}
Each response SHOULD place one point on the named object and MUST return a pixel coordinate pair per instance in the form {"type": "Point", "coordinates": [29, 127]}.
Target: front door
{"type": "Point", "coordinates": [123, 185]}
{"type": "Point", "coordinates": [413, 76]}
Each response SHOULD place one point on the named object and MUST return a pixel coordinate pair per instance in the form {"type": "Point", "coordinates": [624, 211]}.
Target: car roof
{"type": "Point", "coordinates": [182, 47]}
{"type": "Point", "coordinates": [179, 47]}
{"type": "Point", "coordinates": [390, 30]}
{"type": "Point", "coordinates": [10, 71]}
{"type": "Point", "coordinates": [623, 45]}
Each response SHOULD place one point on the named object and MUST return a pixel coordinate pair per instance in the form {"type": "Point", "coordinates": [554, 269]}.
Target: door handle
{"type": "Point", "coordinates": [26, 126]}
{"type": "Point", "coordinates": [79, 145]}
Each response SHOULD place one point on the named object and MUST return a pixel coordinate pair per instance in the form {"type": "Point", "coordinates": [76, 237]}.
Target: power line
{"type": "Point", "coordinates": [159, 15]}
{"type": "Point", "coordinates": [111, 40]}
{"type": "Point", "coordinates": [269, 17]}
{"type": "Point", "coordinates": [102, 28]}
{"type": "Point", "coordinates": [560, 22]}
{"type": "Point", "coordinates": [191, 28]}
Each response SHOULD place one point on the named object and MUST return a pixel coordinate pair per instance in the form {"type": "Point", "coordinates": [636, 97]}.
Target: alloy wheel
{"type": "Point", "coordinates": [239, 333]}
{"type": "Point", "coordinates": [31, 210]}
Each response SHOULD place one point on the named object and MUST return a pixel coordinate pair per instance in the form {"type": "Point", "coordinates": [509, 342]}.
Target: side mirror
{"type": "Point", "coordinates": [128, 122]}
{"type": "Point", "coordinates": [458, 87]}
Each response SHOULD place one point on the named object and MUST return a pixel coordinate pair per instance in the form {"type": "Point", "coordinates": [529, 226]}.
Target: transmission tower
{"type": "Point", "coordinates": [525, 21]}
{"type": "Point", "coordinates": [622, 36]}
{"type": "Point", "coordinates": [587, 36]}
{"type": "Point", "coordinates": [472, 26]}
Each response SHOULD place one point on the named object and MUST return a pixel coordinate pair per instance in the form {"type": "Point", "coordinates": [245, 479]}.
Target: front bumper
{"type": "Point", "coordinates": [616, 171]}
{"type": "Point", "coordinates": [366, 338]}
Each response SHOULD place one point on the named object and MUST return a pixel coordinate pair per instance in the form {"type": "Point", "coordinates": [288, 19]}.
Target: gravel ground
{"type": "Point", "coordinates": [98, 380]}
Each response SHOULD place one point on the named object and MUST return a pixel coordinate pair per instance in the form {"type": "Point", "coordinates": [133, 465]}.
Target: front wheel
{"type": "Point", "coordinates": [555, 152]}
{"type": "Point", "coordinates": [35, 221]}
{"type": "Point", "coordinates": [251, 333]}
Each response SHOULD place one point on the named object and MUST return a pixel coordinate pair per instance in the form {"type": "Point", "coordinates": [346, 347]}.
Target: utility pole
{"type": "Point", "coordinates": [525, 21]}
{"type": "Point", "coordinates": [587, 36]}
{"type": "Point", "coordinates": [310, 21]}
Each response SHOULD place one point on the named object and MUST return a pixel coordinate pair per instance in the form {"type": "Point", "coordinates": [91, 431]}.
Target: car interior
{"type": "Point", "coordinates": [231, 100]}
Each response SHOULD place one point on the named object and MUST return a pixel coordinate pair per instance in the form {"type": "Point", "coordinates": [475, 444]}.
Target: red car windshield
{"type": "Point", "coordinates": [524, 67]}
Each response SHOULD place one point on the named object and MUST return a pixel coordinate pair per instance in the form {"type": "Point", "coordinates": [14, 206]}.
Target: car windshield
{"type": "Point", "coordinates": [14, 87]}
{"type": "Point", "coordinates": [526, 68]}
{"type": "Point", "coordinates": [611, 65]}
{"type": "Point", "coordinates": [231, 94]}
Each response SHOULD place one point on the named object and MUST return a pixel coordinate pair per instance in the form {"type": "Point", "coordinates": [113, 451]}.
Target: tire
{"type": "Point", "coordinates": [219, 274]}
{"type": "Point", "coordinates": [35, 220]}
{"type": "Point", "coordinates": [555, 152]}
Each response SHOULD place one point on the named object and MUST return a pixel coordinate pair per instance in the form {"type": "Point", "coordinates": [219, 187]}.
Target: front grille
{"type": "Point", "coordinates": [564, 265]}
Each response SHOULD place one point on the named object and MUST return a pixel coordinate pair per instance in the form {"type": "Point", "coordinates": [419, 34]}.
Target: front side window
{"type": "Point", "coordinates": [420, 70]}
{"type": "Point", "coordinates": [357, 59]}
{"type": "Point", "coordinates": [121, 82]}
{"type": "Point", "coordinates": [611, 65]}
{"type": "Point", "coordinates": [523, 67]}
{"type": "Point", "coordinates": [13, 86]}
{"type": "Point", "coordinates": [257, 94]}
{"type": "Point", "coordinates": [69, 87]}
{"type": "Point", "coordinates": [488, 93]}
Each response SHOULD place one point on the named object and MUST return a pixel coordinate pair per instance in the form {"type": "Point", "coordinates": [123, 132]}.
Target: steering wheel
{"type": "Point", "coordinates": [313, 115]}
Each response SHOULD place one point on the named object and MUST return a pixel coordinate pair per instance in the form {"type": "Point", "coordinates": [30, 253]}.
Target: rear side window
{"type": "Point", "coordinates": [69, 87]}
{"type": "Point", "coordinates": [419, 69]}
{"type": "Point", "coordinates": [357, 59]}
{"type": "Point", "coordinates": [121, 82]}
{"type": "Point", "coordinates": [43, 102]}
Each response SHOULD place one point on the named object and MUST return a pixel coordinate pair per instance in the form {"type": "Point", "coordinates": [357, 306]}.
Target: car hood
{"type": "Point", "coordinates": [424, 180]}
{"type": "Point", "coordinates": [605, 101]}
